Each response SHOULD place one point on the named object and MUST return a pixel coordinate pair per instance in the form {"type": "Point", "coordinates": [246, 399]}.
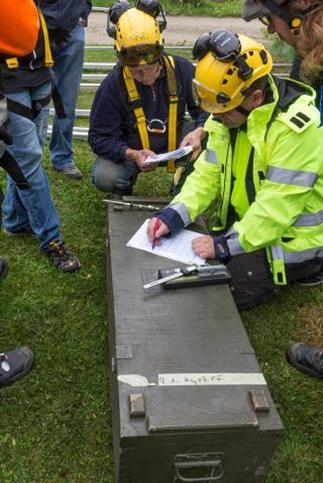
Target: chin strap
{"type": "Point", "coordinates": [242, 111]}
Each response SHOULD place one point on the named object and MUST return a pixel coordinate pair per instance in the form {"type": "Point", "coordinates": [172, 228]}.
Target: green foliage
{"type": "Point", "coordinates": [193, 7]}
{"type": "Point", "coordinates": [281, 50]}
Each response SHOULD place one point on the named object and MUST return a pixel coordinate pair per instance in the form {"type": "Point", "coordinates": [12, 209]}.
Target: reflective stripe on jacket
{"type": "Point", "coordinates": [286, 215]}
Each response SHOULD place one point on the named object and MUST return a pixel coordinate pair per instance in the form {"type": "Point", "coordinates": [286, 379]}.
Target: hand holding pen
{"type": "Point", "coordinates": [156, 229]}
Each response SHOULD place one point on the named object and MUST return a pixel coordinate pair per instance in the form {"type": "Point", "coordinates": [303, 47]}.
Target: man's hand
{"type": "Point", "coordinates": [139, 157]}
{"type": "Point", "coordinates": [203, 246]}
{"type": "Point", "coordinates": [153, 232]}
{"type": "Point", "coordinates": [194, 139]}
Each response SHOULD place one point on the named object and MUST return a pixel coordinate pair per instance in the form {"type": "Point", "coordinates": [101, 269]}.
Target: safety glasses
{"type": "Point", "coordinates": [138, 54]}
{"type": "Point", "coordinates": [208, 99]}
{"type": "Point", "coordinates": [265, 20]}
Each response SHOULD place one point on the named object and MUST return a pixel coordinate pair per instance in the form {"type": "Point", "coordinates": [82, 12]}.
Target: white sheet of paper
{"type": "Point", "coordinates": [177, 247]}
{"type": "Point", "coordinates": [178, 153]}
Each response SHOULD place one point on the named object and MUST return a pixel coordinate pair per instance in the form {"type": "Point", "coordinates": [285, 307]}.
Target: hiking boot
{"type": "Point", "coordinates": [3, 267]}
{"type": "Point", "coordinates": [62, 257]}
{"type": "Point", "coordinates": [15, 364]}
{"type": "Point", "coordinates": [26, 230]}
{"type": "Point", "coordinates": [310, 281]}
{"type": "Point", "coordinates": [306, 359]}
{"type": "Point", "coordinates": [71, 171]}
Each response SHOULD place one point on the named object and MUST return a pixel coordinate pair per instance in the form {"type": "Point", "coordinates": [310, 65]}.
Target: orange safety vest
{"type": "Point", "coordinates": [19, 27]}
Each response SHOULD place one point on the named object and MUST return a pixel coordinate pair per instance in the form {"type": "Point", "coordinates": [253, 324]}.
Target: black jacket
{"type": "Point", "coordinates": [113, 123]}
{"type": "Point", "coordinates": [64, 14]}
{"type": "Point", "coordinates": [31, 71]}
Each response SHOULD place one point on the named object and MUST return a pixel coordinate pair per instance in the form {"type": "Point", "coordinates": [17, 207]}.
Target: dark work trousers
{"type": "Point", "coordinates": [252, 282]}
{"type": "Point", "coordinates": [120, 178]}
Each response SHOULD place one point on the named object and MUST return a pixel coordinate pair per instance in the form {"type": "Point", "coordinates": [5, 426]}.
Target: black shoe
{"type": "Point", "coordinates": [116, 197]}
{"type": "Point", "coordinates": [118, 193]}
{"type": "Point", "coordinates": [3, 267]}
{"type": "Point", "coordinates": [26, 230]}
{"type": "Point", "coordinates": [15, 364]}
{"type": "Point", "coordinates": [311, 281]}
{"type": "Point", "coordinates": [62, 257]}
{"type": "Point", "coordinates": [306, 359]}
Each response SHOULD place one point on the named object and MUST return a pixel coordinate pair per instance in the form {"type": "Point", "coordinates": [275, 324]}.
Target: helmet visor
{"type": "Point", "coordinates": [208, 99]}
{"type": "Point", "coordinates": [141, 54]}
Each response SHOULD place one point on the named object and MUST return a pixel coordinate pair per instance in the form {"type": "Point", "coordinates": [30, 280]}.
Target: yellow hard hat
{"type": "Point", "coordinates": [137, 33]}
{"type": "Point", "coordinates": [227, 65]}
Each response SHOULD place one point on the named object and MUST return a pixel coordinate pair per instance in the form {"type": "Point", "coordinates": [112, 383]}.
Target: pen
{"type": "Point", "coordinates": [156, 228]}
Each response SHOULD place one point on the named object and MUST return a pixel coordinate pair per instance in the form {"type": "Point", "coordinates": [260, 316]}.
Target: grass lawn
{"type": "Point", "coordinates": [56, 423]}
{"type": "Point", "coordinates": [192, 7]}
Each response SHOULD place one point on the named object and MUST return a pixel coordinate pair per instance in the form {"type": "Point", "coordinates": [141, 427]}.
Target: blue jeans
{"type": "Point", "coordinates": [68, 68]}
{"type": "Point", "coordinates": [115, 177]}
{"type": "Point", "coordinates": [33, 207]}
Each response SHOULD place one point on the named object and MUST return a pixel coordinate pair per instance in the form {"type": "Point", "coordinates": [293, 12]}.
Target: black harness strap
{"type": "Point", "coordinates": [9, 164]}
{"type": "Point", "coordinates": [58, 103]}
{"type": "Point", "coordinates": [29, 112]}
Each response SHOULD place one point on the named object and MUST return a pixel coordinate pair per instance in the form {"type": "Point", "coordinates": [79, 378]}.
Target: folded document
{"type": "Point", "coordinates": [178, 153]}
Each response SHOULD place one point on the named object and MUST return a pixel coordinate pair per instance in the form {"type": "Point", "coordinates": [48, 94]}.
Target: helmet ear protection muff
{"type": "Point", "coordinates": [153, 8]}
{"type": "Point", "coordinates": [226, 47]}
{"type": "Point", "coordinates": [295, 23]}
{"type": "Point", "coordinates": [114, 13]}
{"type": "Point", "coordinates": [201, 46]}
{"type": "Point", "coordinates": [293, 20]}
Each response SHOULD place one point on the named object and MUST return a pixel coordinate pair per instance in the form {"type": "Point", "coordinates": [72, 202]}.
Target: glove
{"type": "Point", "coordinates": [5, 134]}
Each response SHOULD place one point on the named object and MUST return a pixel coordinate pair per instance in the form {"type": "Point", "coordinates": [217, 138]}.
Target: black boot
{"type": "Point", "coordinates": [306, 359]}
{"type": "Point", "coordinates": [15, 364]}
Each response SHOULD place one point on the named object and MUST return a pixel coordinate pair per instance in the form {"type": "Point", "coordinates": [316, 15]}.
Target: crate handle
{"type": "Point", "coordinates": [215, 465]}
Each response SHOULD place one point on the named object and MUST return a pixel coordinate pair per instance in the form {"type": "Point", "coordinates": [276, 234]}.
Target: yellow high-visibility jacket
{"type": "Point", "coordinates": [285, 216]}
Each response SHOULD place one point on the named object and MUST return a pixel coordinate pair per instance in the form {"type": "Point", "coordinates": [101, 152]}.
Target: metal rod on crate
{"type": "Point", "coordinates": [133, 205]}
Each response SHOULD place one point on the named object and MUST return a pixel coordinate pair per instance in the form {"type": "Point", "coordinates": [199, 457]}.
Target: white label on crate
{"type": "Point", "coordinates": [196, 379]}
{"type": "Point", "coordinates": [212, 379]}
{"type": "Point", "coordinates": [135, 380]}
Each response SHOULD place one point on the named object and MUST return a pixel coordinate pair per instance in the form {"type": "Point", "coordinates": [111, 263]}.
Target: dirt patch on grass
{"type": "Point", "coordinates": [310, 325]}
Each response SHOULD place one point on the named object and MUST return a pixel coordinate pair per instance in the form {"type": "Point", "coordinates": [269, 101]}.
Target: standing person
{"type": "Point", "coordinates": [27, 86]}
{"type": "Point", "coordinates": [18, 36]}
{"type": "Point", "coordinates": [262, 167]}
{"type": "Point", "coordinates": [66, 21]}
{"type": "Point", "coordinates": [139, 108]}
